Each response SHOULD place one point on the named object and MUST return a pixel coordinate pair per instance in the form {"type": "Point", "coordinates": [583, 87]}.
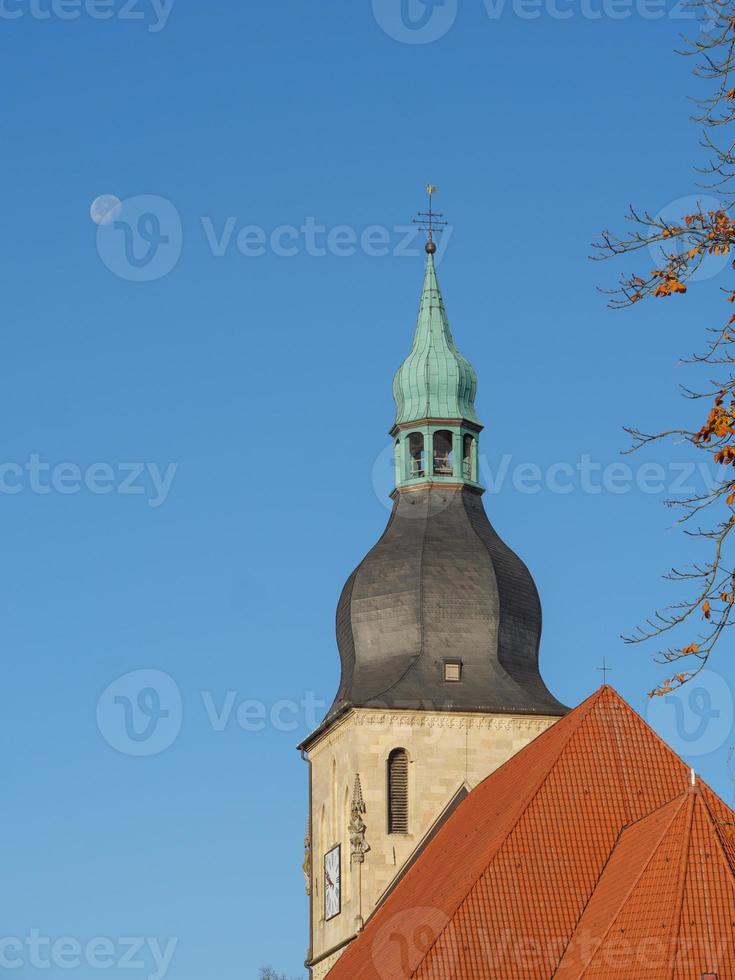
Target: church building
{"type": "Point", "coordinates": [463, 823]}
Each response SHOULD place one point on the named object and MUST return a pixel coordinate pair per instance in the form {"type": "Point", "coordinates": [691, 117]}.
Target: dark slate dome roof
{"type": "Point", "coordinates": [441, 585]}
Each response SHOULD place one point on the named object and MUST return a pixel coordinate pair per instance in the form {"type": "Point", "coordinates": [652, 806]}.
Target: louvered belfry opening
{"type": "Point", "coordinates": [398, 792]}
{"type": "Point", "coordinates": [417, 466]}
{"type": "Point", "coordinates": [443, 453]}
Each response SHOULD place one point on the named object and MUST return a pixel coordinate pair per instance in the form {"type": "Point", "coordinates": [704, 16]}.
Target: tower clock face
{"type": "Point", "coordinates": [332, 883]}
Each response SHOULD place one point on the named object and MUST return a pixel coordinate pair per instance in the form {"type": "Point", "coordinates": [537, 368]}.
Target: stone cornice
{"type": "Point", "coordinates": [430, 720]}
{"type": "Point", "coordinates": [445, 719]}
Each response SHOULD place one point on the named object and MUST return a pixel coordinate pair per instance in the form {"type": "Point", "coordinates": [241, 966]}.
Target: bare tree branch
{"type": "Point", "coordinates": [682, 246]}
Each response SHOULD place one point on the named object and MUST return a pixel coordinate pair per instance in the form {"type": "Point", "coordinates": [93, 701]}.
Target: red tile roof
{"type": "Point", "coordinates": [665, 904]}
{"type": "Point", "coordinates": [587, 854]}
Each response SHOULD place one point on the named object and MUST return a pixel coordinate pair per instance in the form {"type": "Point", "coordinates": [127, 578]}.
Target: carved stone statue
{"type": "Point", "coordinates": [358, 845]}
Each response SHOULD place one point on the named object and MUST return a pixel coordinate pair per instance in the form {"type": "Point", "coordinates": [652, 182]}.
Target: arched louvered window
{"type": "Point", "coordinates": [398, 792]}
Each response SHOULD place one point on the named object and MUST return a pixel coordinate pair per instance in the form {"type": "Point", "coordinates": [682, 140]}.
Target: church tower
{"type": "Point", "coordinates": [438, 631]}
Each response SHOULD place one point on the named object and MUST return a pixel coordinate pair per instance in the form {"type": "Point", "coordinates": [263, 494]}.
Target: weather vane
{"type": "Point", "coordinates": [430, 220]}
{"type": "Point", "coordinates": [605, 670]}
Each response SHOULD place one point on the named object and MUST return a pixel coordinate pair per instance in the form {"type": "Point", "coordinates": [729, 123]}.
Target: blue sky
{"type": "Point", "coordinates": [212, 437]}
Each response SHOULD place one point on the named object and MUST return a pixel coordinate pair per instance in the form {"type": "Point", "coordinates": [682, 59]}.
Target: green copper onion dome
{"type": "Point", "coordinates": [434, 381]}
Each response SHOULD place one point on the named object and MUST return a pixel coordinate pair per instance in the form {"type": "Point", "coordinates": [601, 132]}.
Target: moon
{"type": "Point", "coordinates": [104, 209]}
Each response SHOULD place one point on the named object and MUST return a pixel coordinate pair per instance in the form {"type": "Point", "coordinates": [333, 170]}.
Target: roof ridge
{"type": "Point", "coordinates": [653, 731]}
{"type": "Point", "coordinates": [614, 702]}
{"type": "Point", "coordinates": [683, 874]}
{"type": "Point", "coordinates": [628, 826]}
{"type": "Point", "coordinates": [724, 848]}
{"type": "Point", "coordinates": [634, 884]}
{"type": "Point", "coordinates": [664, 744]}
{"type": "Point", "coordinates": [650, 813]}
{"type": "Point", "coordinates": [644, 867]}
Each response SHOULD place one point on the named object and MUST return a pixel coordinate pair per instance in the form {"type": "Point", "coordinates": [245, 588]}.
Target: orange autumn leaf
{"type": "Point", "coordinates": [706, 610]}
{"type": "Point", "coordinates": [720, 423]}
{"type": "Point", "coordinates": [669, 286]}
{"type": "Point", "coordinates": [726, 455]}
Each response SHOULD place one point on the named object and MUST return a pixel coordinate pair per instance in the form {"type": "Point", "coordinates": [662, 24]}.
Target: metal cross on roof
{"type": "Point", "coordinates": [430, 220]}
{"type": "Point", "coordinates": [605, 670]}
